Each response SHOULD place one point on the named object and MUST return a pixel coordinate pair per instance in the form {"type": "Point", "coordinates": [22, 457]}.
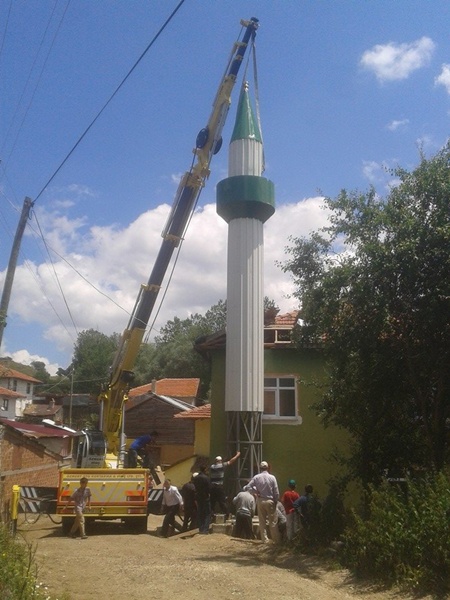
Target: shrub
{"type": "Point", "coordinates": [18, 571]}
{"type": "Point", "coordinates": [326, 523]}
{"type": "Point", "coordinates": [406, 537]}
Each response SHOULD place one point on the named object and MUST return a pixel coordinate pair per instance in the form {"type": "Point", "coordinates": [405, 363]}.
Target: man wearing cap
{"type": "Point", "coordinates": [265, 486]}
{"type": "Point", "coordinates": [216, 477]}
{"type": "Point", "coordinates": [288, 498]}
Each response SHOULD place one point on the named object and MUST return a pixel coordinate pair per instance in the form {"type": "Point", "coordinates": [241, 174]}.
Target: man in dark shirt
{"type": "Point", "coordinates": [202, 490]}
{"type": "Point", "coordinates": [188, 494]}
{"type": "Point", "coordinates": [140, 447]}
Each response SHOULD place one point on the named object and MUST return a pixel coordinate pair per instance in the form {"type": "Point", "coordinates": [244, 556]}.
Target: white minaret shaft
{"type": "Point", "coordinates": [245, 200]}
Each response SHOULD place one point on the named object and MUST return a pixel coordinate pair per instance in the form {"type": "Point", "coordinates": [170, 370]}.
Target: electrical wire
{"type": "Point", "coordinates": [6, 28]}
{"type": "Point", "coordinates": [91, 124]}
{"type": "Point", "coordinates": [30, 103]}
{"type": "Point", "coordinates": [56, 277]}
{"type": "Point", "coordinates": [157, 35]}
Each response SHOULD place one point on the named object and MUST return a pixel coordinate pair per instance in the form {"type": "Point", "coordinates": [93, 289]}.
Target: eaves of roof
{"type": "Point", "coordinates": [7, 373]}
{"type": "Point", "coordinates": [199, 412]}
{"type": "Point", "coordinates": [172, 387]}
{"type": "Point", "coordinates": [146, 397]}
{"type": "Point", "coordinates": [10, 393]}
{"type": "Point", "coordinates": [37, 431]}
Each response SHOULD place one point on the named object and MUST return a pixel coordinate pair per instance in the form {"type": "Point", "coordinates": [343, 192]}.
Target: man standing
{"type": "Point", "coordinates": [82, 500]}
{"type": "Point", "coordinates": [245, 504]}
{"type": "Point", "coordinates": [171, 504]}
{"type": "Point", "coordinates": [288, 498]}
{"type": "Point", "coordinates": [307, 506]}
{"type": "Point", "coordinates": [190, 504]}
{"type": "Point", "coordinates": [267, 495]}
{"type": "Point", "coordinates": [202, 490]}
{"type": "Point", "coordinates": [216, 476]}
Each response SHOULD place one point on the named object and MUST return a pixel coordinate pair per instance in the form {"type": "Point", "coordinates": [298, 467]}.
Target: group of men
{"type": "Point", "coordinates": [197, 499]}
{"type": "Point", "coordinates": [279, 516]}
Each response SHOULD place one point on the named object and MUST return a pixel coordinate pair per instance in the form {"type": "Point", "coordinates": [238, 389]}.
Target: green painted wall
{"type": "Point", "coordinates": [294, 451]}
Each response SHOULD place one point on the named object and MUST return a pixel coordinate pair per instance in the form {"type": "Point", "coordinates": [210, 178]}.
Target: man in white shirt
{"type": "Point", "coordinates": [172, 502]}
{"type": "Point", "coordinates": [265, 486]}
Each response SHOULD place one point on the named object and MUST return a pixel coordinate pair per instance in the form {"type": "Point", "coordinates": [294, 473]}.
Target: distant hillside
{"type": "Point", "coordinates": [9, 363]}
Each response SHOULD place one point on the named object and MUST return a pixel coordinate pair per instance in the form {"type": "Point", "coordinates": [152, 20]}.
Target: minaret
{"type": "Point", "coordinates": [245, 200]}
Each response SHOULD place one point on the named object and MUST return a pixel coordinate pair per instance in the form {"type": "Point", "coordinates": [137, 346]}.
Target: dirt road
{"type": "Point", "coordinates": [113, 564]}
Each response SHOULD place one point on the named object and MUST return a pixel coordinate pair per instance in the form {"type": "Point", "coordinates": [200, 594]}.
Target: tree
{"type": "Point", "coordinates": [40, 371]}
{"type": "Point", "coordinates": [92, 359]}
{"type": "Point", "coordinates": [172, 354]}
{"type": "Point", "coordinates": [374, 287]}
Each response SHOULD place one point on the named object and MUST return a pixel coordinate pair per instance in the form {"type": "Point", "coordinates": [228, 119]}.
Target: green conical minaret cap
{"type": "Point", "coordinates": [246, 126]}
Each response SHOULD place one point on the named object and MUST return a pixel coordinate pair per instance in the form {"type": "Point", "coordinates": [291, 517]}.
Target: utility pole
{"type": "Point", "coordinates": [7, 287]}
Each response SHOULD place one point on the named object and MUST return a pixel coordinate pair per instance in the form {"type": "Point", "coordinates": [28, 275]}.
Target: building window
{"type": "Point", "coordinates": [28, 388]}
{"type": "Point", "coordinates": [5, 404]}
{"type": "Point", "coordinates": [280, 397]}
{"type": "Point", "coordinates": [14, 385]}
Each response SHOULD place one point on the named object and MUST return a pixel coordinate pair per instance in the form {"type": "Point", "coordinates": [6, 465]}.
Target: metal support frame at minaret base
{"type": "Point", "coordinates": [244, 434]}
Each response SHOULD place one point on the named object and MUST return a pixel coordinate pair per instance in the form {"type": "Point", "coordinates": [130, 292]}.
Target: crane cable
{"type": "Point", "coordinates": [255, 77]}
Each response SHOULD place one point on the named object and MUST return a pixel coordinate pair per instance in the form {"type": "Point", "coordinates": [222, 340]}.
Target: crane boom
{"type": "Point", "coordinates": [208, 143]}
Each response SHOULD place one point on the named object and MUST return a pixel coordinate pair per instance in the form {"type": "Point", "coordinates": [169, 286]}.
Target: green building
{"type": "Point", "coordinates": [295, 443]}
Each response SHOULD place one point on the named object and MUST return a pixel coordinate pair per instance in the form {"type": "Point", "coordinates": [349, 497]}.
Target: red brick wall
{"type": "Point", "coordinates": [23, 462]}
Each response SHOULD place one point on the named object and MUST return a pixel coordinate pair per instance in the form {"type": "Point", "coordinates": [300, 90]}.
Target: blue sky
{"type": "Point", "coordinates": [347, 90]}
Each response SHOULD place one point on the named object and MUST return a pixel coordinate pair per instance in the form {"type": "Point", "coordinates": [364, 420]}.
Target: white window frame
{"type": "Point", "coordinates": [276, 388]}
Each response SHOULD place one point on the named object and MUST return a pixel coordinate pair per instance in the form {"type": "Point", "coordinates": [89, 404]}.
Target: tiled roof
{"type": "Point", "coordinates": [199, 412]}
{"type": "Point", "coordinates": [7, 373]}
{"type": "Point", "coordinates": [10, 393]}
{"type": "Point", "coordinates": [40, 410]}
{"type": "Point", "coordinates": [288, 320]}
{"type": "Point", "coordinates": [178, 388]}
{"type": "Point", "coordinates": [148, 396]}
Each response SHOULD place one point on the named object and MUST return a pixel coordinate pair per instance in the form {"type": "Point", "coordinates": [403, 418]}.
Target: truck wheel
{"type": "Point", "coordinates": [67, 523]}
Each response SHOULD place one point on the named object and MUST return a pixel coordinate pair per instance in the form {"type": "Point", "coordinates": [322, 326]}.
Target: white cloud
{"type": "Point", "coordinates": [25, 358]}
{"type": "Point", "coordinates": [391, 62]}
{"type": "Point", "coordinates": [117, 261]}
{"type": "Point", "coordinates": [444, 78]}
{"type": "Point", "coordinates": [379, 174]}
{"type": "Point", "coordinates": [373, 171]}
{"type": "Point", "coordinates": [394, 125]}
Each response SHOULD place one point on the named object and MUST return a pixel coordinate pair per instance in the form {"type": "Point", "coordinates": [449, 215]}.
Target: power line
{"type": "Point", "coordinates": [38, 80]}
{"type": "Point", "coordinates": [77, 143]}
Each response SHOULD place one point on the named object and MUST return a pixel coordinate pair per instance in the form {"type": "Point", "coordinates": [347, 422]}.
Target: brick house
{"type": "Point", "coordinates": [24, 461]}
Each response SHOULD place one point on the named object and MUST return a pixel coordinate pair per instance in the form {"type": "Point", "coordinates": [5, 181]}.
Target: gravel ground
{"type": "Point", "coordinates": [113, 564]}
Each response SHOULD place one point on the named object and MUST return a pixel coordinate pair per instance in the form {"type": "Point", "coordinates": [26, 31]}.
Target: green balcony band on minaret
{"type": "Point", "coordinates": [245, 196]}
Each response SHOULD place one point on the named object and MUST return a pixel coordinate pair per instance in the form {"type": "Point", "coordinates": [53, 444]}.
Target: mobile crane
{"type": "Point", "coordinates": [117, 492]}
